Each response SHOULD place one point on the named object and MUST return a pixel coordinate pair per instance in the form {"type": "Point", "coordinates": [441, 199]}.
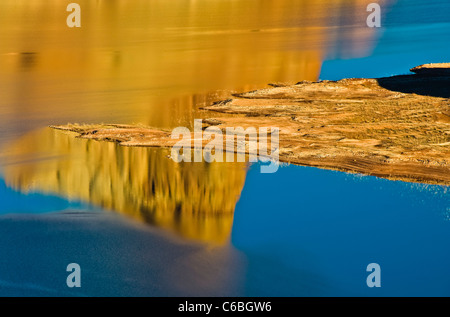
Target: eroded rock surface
{"type": "Point", "coordinates": [396, 127]}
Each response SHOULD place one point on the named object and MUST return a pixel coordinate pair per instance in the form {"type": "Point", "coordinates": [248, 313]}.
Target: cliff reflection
{"type": "Point", "coordinates": [196, 200]}
{"type": "Point", "coordinates": [152, 62]}
{"type": "Point", "coordinates": [131, 59]}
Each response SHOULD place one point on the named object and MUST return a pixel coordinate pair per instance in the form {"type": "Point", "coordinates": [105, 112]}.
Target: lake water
{"type": "Point", "coordinates": [140, 224]}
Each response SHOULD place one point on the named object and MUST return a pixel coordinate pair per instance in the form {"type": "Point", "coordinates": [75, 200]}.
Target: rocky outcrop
{"type": "Point", "coordinates": [435, 69]}
{"type": "Point", "coordinates": [396, 127]}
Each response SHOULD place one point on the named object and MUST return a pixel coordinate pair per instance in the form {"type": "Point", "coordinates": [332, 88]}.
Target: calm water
{"type": "Point", "coordinates": [140, 224]}
{"type": "Point", "coordinates": [321, 229]}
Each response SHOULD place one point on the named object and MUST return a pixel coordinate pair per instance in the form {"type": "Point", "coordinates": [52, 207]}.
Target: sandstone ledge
{"type": "Point", "coordinates": [435, 69]}
{"type": "Point", "coordinates": [396, 127]}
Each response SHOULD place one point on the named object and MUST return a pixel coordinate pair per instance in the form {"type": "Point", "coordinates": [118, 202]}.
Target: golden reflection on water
{"type": "Point", "coordinates": [139, 61]}
{"type": "Point", "coordinates": [195, 200]}
{"type": "Point", "coordinates": [152, 62]}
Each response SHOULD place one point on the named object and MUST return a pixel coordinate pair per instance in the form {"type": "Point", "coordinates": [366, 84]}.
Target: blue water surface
{"type": "Point", "coordinates": [16, 202]}
{"type": "Point", "coordinates": [312, 232]}
{"type": "Point", "coordinates": [412, 33]}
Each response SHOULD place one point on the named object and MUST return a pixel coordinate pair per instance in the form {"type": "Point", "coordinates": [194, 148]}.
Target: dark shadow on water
{"type": "Point", "coordinates": [27, 60]}
{"type": "Point", "coordinates": [434, 86]}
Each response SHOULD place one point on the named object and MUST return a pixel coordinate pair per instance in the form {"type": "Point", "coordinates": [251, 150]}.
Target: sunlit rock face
{"type": "Point", "coordinates": [195, 200]}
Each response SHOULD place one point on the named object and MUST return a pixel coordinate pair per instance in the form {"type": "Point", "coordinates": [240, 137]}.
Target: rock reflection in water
{"type": "Point", "coordinates": [138, 61]}
{"type": "Point", "coordinates": [196, 200]}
